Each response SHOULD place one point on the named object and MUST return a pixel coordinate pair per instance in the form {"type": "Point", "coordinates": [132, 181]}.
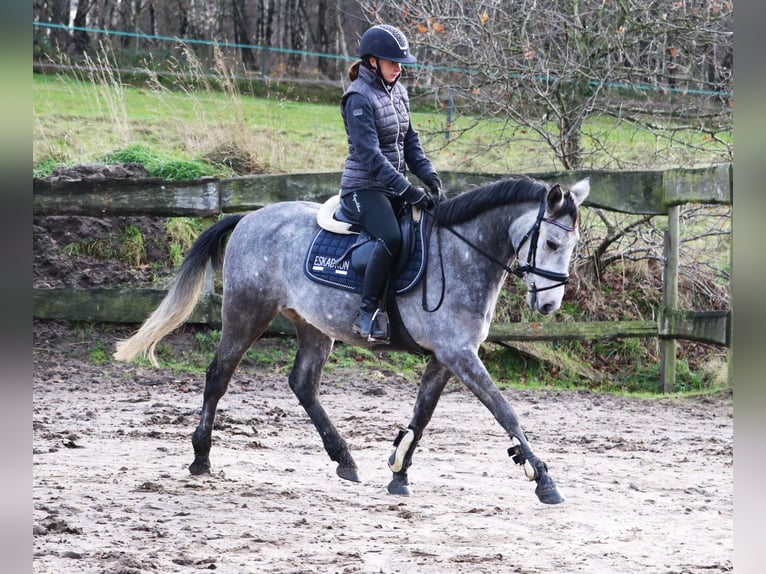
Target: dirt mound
{"type": "Point", "coordinates": [82, 252]}
{"type": "Point", "coordinates": [95, 172]}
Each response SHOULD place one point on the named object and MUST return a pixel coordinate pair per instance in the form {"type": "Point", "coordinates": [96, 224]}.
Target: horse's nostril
{"type": "Point", "coordinates": [546, 308]}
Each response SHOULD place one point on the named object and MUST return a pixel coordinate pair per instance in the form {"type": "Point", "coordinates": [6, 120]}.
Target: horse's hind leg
{"type": "Point", "coordinates": [237, 335]}
{"type": "Point", "coordinates": [313, 349]}
{"type": "Point", "coordinates": [432, 384]}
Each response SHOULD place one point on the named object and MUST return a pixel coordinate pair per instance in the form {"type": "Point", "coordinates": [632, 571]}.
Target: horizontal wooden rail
{"type": "Point", "coordinates": [640, 192]}
{"type": "Point", "coordinates": [123, 305]}
{"type": "Point", "coordinates": [531, 331]}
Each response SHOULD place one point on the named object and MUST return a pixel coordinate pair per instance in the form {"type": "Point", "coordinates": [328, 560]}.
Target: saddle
{"type": "Point", "coordinates": [338, 255]}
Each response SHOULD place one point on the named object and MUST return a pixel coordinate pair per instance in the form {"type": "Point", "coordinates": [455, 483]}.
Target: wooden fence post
{"type": "Point", "coordinates": [209, 284]}
{"type": "Point", "coordinates": [670, 299]}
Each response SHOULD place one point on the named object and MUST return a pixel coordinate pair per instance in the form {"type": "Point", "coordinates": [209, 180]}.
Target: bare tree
{"type": "Point", "coordinates": [80, 38]}
{"type": "Point", "coordinates": [547, 66]}
{"type": "Point", "coordinates": [271, 35]}
{"type": "Point", "coordinates": [55, 12]}
{"type": "Point", "coordinates": [242, 31]}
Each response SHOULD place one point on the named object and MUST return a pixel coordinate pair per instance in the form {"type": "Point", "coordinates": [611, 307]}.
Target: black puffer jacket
{"type": "Point", "coordinates": [381, 141]}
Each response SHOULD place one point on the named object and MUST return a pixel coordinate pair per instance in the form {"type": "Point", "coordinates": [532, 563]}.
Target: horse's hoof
{"type": "Point", "coordinates": [548, 493]}
{"type": "Point", "coordinates": [399, 488]}
{"type": "Point", "coordinates": [348, 473]}
{"type": "Point", "coordinates": [199, 467]}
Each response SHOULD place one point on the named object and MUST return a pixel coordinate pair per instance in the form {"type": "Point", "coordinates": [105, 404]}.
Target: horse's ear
{"type": "Point", "coordinates": [580, 190]}
{"type": "Point", "coordinates": [555, 197]}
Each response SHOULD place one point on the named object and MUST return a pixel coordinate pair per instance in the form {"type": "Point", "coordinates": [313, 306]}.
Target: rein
{"type": "Point", "coordinates": [533, 235]}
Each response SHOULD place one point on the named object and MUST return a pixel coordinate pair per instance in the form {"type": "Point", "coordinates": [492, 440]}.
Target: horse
{"type": "Point", "coordinates": [475, 238]}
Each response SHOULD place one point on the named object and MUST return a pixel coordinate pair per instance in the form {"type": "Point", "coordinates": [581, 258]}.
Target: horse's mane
{"type": "Point", "coordinates": [516, 189]}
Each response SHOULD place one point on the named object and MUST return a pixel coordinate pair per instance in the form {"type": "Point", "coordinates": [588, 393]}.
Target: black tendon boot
{"type": "Point", "coordinates": [371, 322]}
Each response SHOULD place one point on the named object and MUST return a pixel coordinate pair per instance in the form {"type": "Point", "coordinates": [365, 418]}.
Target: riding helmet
{"type": "Point", "coordinates": [386, 42]}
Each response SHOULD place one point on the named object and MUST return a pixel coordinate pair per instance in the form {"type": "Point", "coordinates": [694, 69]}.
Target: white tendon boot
{"type": "Point", "coordinates": [403, 442]}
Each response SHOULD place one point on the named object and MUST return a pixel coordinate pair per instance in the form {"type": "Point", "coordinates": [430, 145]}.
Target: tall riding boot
{"type": "Point", "coordinates": [375, 277]}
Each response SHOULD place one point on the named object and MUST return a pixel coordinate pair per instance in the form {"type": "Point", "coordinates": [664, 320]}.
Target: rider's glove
{"type": "Point", "coordinates": [416, 197]}
{"type": "Point", "coordinates": [435, 185]}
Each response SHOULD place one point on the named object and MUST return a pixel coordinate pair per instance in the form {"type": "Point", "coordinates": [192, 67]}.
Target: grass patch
{"type": "Point", "coordinates": [132, 250]}
{"type": "Point", "coordinates": [271, 133]}
{"type": "Point", "coordinates": [164, 165]}
{"type": "Point", "coordinates": [98, 248]}
{"type": "Point", "coordinates": [44, 167]}
{"type": "Point", "coordinates": [195, 120]}
{"type": "Point", "coordinates": [98, 354]}
{"type": "Point", "coordinates": [400, 365]}
{"type": "Point", "coordinates": [182, 232]}
{"type": "Point", "coordinates": [275, 355]}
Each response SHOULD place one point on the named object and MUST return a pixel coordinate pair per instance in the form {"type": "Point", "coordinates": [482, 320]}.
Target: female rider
{"type": "Point", "coordinates": [381, 146]}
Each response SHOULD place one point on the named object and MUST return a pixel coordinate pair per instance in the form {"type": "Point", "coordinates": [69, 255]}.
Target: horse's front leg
{"type": "Point", "coordinates": [432, 384]}
{"type": "Point", "coordinates": [467, 367]}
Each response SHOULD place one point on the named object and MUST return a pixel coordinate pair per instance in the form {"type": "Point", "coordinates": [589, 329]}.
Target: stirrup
{"type": "Point", "coordinates": [377, 328]}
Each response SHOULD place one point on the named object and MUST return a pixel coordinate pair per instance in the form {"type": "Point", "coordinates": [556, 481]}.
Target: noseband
{"type": "Point", "coordinates": [531, 265]}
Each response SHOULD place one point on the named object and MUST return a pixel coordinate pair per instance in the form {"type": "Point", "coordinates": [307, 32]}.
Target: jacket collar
{"type": "Point", "coordinates": [371, 77]}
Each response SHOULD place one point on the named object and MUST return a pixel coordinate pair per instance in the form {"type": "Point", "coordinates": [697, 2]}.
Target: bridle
{"type": "Point", "coordinates": [533, 235]}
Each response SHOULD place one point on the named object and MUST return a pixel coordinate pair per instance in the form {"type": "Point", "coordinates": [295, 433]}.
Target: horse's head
{"type": "Point", "coordinates": [544, 240]}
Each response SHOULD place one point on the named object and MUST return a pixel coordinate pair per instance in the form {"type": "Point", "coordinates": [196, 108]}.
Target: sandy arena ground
{"type": "Point", "coordinates": [648, 482]}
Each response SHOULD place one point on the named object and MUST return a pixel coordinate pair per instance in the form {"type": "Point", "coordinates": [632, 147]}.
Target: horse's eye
{"type": "Point", "coordinates": [552, 245]}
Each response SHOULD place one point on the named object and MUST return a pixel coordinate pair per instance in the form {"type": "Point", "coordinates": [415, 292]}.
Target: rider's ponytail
{"type": "Point", "coordinates": [353, 71]}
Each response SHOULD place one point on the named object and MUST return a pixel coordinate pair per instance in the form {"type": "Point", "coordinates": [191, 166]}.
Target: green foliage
{"type": "Point", "coordinates": [644, 377]}
{"type": "Point", "coordinates": [44, 167]}
{"type": "Point", "coordinates": [206, 342]}
{"type": "Point", "coordinates": [162, 164]}
{"type": "Point", "coordinates": [273, 128]}
{"type": "Point", "coordinates": [98, 354]}
{"type": "Point", "coordinates": [623, 368]}
{"type": "Point", "coordinates": [403, 365]}
{"type": "Point", "coordinates": [98, 248]}
{"type": "Point", "coordinates": [186, 125]}
{"type": "Point", "coordinates": [511, 370]}
{"type": "Point", "coordinates": [181, 233]}
{"type": "Point", "coordinates": [132, 250]}
{"type": "Point", "coordinates": [275, 355]}
{"type": "Point", "coordinates": [182, 170]}
{"type": "Point", "coordinates": [552, 364]}
{"type": "Point", "coordinates": [632, 365]}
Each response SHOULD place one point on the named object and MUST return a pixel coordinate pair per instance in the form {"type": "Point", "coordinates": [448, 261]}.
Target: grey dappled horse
{"type": "Point", "coordinates": [476, 237]}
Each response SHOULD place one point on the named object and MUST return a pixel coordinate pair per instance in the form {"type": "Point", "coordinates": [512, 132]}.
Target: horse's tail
{"type": "Point", "coordinates": [183, 294]}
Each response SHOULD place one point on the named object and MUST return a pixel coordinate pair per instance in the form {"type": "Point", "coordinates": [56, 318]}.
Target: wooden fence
{"type": "Point", "coordinates": [637, 192]}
